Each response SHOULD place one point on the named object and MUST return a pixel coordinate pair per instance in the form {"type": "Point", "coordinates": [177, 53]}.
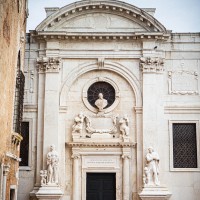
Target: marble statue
{"type": "Point", "coordinates": [101, 103]}
{"type": "Point", "coordinates": [52, 166]}
{"type": "Point", "coordinates": [43, 174]}
{"type": "Point", "coordinates": [146, 176]}
{"type": "Point", "coordinates": [124, 128]}
{"type": "Point", "coordinates": [78, 123]}
{"type": "Point", "coordinates": [152, 167]}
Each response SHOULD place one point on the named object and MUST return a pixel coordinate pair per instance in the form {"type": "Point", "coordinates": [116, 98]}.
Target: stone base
{"type": "Point", "coordinates": [154, 193]}
{"type": "Point", "coordinates": [49, 192]}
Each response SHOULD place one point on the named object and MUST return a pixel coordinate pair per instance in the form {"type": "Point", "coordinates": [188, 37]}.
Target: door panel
{"type": "Point", "coordinates": [101, 186]}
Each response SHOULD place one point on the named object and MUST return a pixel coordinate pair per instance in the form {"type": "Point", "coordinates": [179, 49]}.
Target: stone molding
{"type": "Point", "coordinates": [174, 109]}
{"type": "Point", "coordinates": [151, 64]}
{"type": "Point", "coordinates": [103, 144]}
{"type": "Point", "coordinates": [99, 36]}
{"type": "Point", "coordinates": [179, 79]}
{"type": "Point", "coordinates": [48, 64]}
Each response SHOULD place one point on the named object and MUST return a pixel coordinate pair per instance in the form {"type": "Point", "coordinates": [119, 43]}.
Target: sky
{"type": "Point", "coordinates": [175, 15]}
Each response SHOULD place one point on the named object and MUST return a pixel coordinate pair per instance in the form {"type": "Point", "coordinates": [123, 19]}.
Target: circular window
{"type": "Point", "coordinates": [101, 87]}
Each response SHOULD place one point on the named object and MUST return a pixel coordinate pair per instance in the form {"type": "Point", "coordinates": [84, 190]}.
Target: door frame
{"type": "Point", "coordinates": [117, 184]}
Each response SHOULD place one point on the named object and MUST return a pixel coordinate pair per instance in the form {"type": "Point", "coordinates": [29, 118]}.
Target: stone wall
{"type": "Point", "coordinates": [12, 42]}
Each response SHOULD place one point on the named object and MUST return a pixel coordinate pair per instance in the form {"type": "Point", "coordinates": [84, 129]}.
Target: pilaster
{"type": "Point", "coordinates": [76, 190]}
{"type": "Point", "coordinates": [6, 169]}
{"type": "Point", "coordinates": [152, 69]}
{"type": "Point", "coordinates": [126, 174]}
{"type": "Point", "coordinates": [48, 110]}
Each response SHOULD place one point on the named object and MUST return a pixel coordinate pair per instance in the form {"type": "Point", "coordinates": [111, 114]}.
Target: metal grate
{"type": "Point", "coordinates": [19, 98]}
{"type": "Point", "coordinates": [184, 145]}
{"type": "Point", "coordinates": [24, 146]}
{"type": "Point", "coordinates": [101, 87]}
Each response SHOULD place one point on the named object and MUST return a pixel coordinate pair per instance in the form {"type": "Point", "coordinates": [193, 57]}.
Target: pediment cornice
{"type": "Point", "coordinates": [46, 35]}
{"type": "Point", "coordinates": [119, 8]}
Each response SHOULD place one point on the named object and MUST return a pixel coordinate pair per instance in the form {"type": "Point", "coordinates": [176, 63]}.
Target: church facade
{"type": "Point", "coordinates": [112, 106]}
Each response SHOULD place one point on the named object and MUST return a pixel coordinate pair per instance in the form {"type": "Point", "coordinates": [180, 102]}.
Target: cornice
{"type": "Point", "coordinates": [101, 144]}
{"type": "Point", "coordinates": [51, 35]}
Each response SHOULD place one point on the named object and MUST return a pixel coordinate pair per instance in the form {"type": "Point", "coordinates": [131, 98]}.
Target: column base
{"type": "Point", "coordinates": [154, 193]}
{"type": "Point", "coordinates": [49, 192]}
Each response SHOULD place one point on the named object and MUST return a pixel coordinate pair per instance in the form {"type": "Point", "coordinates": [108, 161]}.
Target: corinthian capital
{"type": "Point", "coordinates": [48, 64]}
{"type": "Point", "coordinates": [152, 64]}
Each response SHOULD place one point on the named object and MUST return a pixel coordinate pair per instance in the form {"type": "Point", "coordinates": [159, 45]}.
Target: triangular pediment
{"type": "Point", "coordinates": [100, 16]}
{"type": "Point", "coordinates": [97, 22]}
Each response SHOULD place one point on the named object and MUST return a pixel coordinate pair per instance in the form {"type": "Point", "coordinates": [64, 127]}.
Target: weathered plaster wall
{"type": "Point", "coordinates": [12, 33]}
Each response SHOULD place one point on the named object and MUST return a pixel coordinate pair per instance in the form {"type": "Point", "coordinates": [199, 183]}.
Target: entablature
{"type": "Point", "coordinates": [47, 35]}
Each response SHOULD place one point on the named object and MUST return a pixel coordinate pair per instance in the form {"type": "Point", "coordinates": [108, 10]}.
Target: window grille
{"type": "Point", "coordinates": [101, 87]}
{"type": "Point", "coordinates": [18, 104]}
{"type": "Point", "coordinates": [24, 147]}
{"type": "Point", "coordinates": [184, 145]}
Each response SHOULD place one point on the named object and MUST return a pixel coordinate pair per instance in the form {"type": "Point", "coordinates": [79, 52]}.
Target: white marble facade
{"type": "Point", "coordinates": [154, 73]}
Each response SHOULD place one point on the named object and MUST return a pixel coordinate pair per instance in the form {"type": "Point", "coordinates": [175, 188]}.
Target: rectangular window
{"type": "Point", "coordinates": [184, 145]}
{"type": "Point", "coordinates": [24, 147]}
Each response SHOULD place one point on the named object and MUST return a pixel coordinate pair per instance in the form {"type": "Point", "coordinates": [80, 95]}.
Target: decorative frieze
{"type": "Point", "coordinates": [48, 64]}
{"type": "Point", "coordinates": [183, 82]}
{"type": "Point", "coordinates": [152, 64]}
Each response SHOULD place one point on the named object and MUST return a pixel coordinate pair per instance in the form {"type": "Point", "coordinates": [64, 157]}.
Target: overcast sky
{"type": "Point", "coordinates": [175, 15]}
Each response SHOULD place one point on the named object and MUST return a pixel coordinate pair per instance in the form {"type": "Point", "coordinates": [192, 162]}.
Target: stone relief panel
{"type": "Point", "coordinates": [100, 126]}
{"type": "Point", "coordinates": [97, 22]}
{"type": "Point", "coordinates": [183, 82]}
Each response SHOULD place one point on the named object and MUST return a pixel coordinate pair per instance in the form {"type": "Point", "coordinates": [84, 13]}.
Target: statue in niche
{"type": "Point", "coordinates": [78, 123]}
{"type": "Point", "coordinates": [124, 128]}
{"type": "Point", "coordinates": [52, 166]}
{"type": "Point", "coordinates": [152, 167]}
{"type": "Point", "coordinates": [101, 103]}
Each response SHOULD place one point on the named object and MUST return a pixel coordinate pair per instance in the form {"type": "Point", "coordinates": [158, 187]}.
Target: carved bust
{"type": "Point", "coordinates": [101, 103]}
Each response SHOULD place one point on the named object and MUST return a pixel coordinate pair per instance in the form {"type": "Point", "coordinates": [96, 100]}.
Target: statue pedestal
{"type": "Point", "coordinates": [154, 193]}
{"type": "Point", "coordinates": [47, 192]}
